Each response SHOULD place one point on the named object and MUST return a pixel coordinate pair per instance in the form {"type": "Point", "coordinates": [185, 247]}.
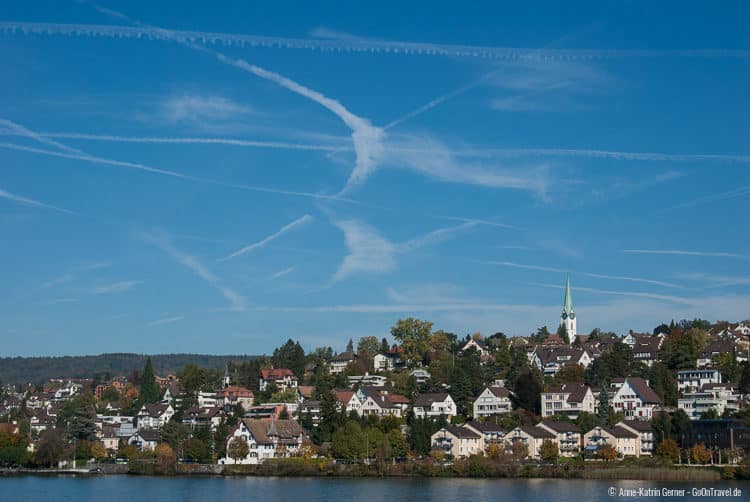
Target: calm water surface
{"type": "Point", "coordinates": [133, 489]}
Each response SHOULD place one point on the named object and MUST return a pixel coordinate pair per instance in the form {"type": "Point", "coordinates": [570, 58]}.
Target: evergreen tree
{"type": "Point", "coordinates": [350, 346]}
{"type": "Point", "coordinates": [563, 333]}
{"type": "Point", "coordinates": [149, 388]}
{"type": "Point", "coordinates": [528, 389]}
{"type": "Point", "coordinates": [745, 378]}
{"type": "Point", "coordinates": [604, 402]}
{"type": "Point", "coordinates": [384, 346]}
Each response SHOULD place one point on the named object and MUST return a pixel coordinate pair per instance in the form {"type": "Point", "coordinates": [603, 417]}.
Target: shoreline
{"type": "Point", "coordinates": [343, 471]}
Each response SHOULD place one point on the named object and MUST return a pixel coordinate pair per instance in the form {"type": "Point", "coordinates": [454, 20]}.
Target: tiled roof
{"type": "Point", "coordinates": [427, 399]}
{"type": "Point", "coordinates": [344, 356]}
{"type": "Point", "coordinates": [263, 431]}
{"type": "Point", "coordinates": [276, 373]}
{"type": "Point", "coordinates": [536, 432]}
{"type": "Point", "coordinates": [462, 432]}
{"type": "Point", "coordinates": [149, 435]}
{"type": "Point", "coordinates": [499, 391]}
{"type": "Point", "coordinates": [620, 432]}
{"type": "Point", "coordinates": [485, 426]}
{"type": "Point", "coordinates": [155, 410]}
{"type": "Point", "coordinates": [638, 425]}
{"type": "Point", "coordinates": [644, 391]}
{"type": "Point", "coordinates": [559, 426]}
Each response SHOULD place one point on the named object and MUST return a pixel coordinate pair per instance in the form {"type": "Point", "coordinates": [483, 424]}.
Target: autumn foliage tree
{"type": "Point", "coordinates": [607, 453]}
{"type": "Point", "coordinates": [165, 458]}
{"type": "Point", "coordinates": [238, 449]}
{"type": "Point", "coordinates": [700, 454]}
{"type": "Point", "coordinates": [548, 452]}
{"type": "Point", "coordinates": [669, 449]}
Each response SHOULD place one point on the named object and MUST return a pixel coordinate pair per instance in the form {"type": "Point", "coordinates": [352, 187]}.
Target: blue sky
{"type": "Point", "coordinates": [182, 178]}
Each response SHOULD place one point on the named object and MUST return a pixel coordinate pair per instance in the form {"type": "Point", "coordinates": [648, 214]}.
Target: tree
{"type": "Point", "coordinates": [98, 451]}
{"type": "Point", "coordinates": [669, 449]}
{"type": "Point", "coordinates": [570, 373]}
{"type": "Point", "coordinates": [350, 346]}
{"type": "Point", "coordinates": [385, 347]}
{"type": "Point", "coordinates": [548, 452]}
{"type": "Point", "coordinates": [413, 335]}
{"type": "Point", "coordinates": [196, 450]}
{"type": "Point", "coordinates": [77, 417]}
{"type": "Point", "coordinates": [421, 431]}
{"type": "Point", "coordinates": [347, 442]}
{"type": "Point", "coordinates": [604, 402]}
{"type": "Point", "coordinates": [238, 449]}
{"type": "Point", "coordinates": [150, 392]}
{"type": "Point", "coordinates": [290, 355]}
{"type": "Point", "coordinates": [729, 367]}
{"type": "Point", "coordinates": [563, 333]}
{"type": "Point", "coordinates": [700, 454]}
{"type": "Point", "coordinates": [745, 378]}
{"type": "Point", "coordinates": [50, 449]}
{"type": "Point", "coordinates": [662, 380]}
{"type": "Point", "coordinates": [528, 390]}
{"type": "Point", "coordinates": [607, 453]}
{"type": "Point", "coordinates": [165, 458]}
{"type": "Point", "coordinates": [110, 394]}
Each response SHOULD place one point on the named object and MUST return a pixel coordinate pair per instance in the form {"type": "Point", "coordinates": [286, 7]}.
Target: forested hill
{"type": "Point", "coordinates": [35, 370]}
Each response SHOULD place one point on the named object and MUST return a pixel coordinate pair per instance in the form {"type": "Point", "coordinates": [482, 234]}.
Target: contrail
{"type": "Point", "coordinates": [174, 174]}
{"type": "Point", "coordinates": [351, 45]}
{"type": "Point", "coordinates": [256, 245]}
{"type": "Point", "coordinates": [367, 139]}
{"type": "Point", "coordinates": [30, 202]}
{"type": "Point", "coordinates": [27, 133]}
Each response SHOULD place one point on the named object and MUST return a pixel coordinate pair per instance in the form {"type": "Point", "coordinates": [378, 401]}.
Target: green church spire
{"type": "Point", "coordinates": [568, 305]}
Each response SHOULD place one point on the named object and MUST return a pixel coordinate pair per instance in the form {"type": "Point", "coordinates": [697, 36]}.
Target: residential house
{"type": "Point", "coordinates": [341, 361]}
{"type": "Point", "coordinates": [477, 345]}
{"type": "Point", "coordinates": [232, 395]}
{"type": "Point", "coordinates": [208, 399]}
{"type": "Point", "coordinates": [349, 400]}
{"type": "Point", "coordinates": [568, 436]}
{"type": "Point", "coordinates": [366, 379]}
{"type": "Point", "coordinates": [719, 397]}
{"type": "Point", "coordinates": [154, 416]}
{"type": "Point", "coordinates": [568, 399]}
{"type": "Point", "coordinates": [387, 361]}
{"type": "Point", "coordinates": [644, 430]}
{"type": "Point", "coordinates": [283, 378]}
{"type": "Point", "coordinates": [460, 442]}
{"type": "Point", "coordinates": [634, 398]}
{"type": "Point", "coordinates": [693, 380]}
{"type": "Point", "coordinates": [110, 439]}
{"type": "Point", "coordinates": [493, 401]}
{"type": "Point", "coordinates": [550, 360]}
{"type": "Point", "coordinates": [266, 439]}
{"type": "Point", "coordinates": [306, 391]}
{"type": "Point", "coordinates": [435, 405]}
{"type": "Point", "coordinates": [312, 409]}
{"type": "Point", "coordinates": [532, 437]}
{"type": "Point", "coordinates": [265, 411]}
{"type": "Point", "coordinates": [145, 439]}
{"type": "Point", "coordinates": [624, 441]}
{"type": "Point", "coordinates": [646, 349]}
{"type": "Point", "coordinates": [492, 433]}
{"type": "Point", "coordinates": [380, 401]}
{"type": "Point", "coordinates": [706, 358]}
{"type": "Point", "coordinates": [171, 393]}
{"type": "Point", "coordinates": [209, 418]}
{"type": "Point", "coordinates": [420, 375]}
{"type": "Point", "coordinates": [41, 421]}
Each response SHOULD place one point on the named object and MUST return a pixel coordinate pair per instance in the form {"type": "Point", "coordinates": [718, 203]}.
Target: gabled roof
{"type": "Point", "coordinates": [638, 425]}
{"type": "Point", "coordinates": [344, 357]}
{"type": "Point", "coordinates": [265, 431]}
{"type": "Point", "coordinates": [235, 391]}
{"type": "Point", "coordinates": [501, 392]}
{"type": "Point", "coordinates": [462, 432]}
{"type": "Point", "coordinates": [306, 391]}
{"type": "Point", "coordinates": [276, 373]}
{"type": "Point", "coordinates": [559, 426]}
{"type": "Point", "coordinates": [155, 410]}
{"type": "Point", "coordinates": [343, 395]}
{"type": "Point", "coordinates": [645, 392]}
{"type": "Point", "coordinates": [485, 427]}
{"type": "Point", "coordinates": [536, 432]}
{"type": "Point", "coordinates": [620, 432]}
{"type": "Point", "coordinates": [149, 435]}
{"type": "Point", "coordinates": [576, 391]}
{"type": "Point", "coordinates": [425, 400]}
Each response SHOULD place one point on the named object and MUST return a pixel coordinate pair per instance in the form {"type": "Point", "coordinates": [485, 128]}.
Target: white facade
{"type": "Point", "coordinates": [445, 407]}
{"type": "Point", "coordinates": [492, 401]}
{"type": "Point", "coordinates": [692, 380]}
{"type": "Point", "coordinates": [460, 442]}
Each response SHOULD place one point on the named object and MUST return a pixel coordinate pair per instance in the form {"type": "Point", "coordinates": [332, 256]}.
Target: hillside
{"type": "Point", "coordinates": [17, 370]}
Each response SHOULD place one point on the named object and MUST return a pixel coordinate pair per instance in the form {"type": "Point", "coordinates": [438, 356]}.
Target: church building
{"type": "Point", "coordinates": [568, 316]}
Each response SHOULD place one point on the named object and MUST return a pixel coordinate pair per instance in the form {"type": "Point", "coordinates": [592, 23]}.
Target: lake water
{"type": "Point", "coordinates": [136, 489]}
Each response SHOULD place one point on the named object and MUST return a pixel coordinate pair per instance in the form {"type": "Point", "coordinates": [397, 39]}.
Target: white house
{"type": "Point", "coordinates": [210, 418]}
{"type": "Point", "coordinates": [154, 416]}
{"type": "Point", "coordinates": [348, 400]}
{"type": "Point", "coordinates": [283, 378]}
{"type": "Point", "coordinates": [711, 396]}
{"type": "Point", "coordinates": [567, 436]}
{"type": "Point", "coordinates": [266, 439]}
{"type": "Point", "coordinates": [532, 437]}
{"type": "Point", "coordinates": [477, 345]}
{"type": "Point", "coordinates": [634, 398]}
{"type": "Point", "coordinates": [644, 431]}
{"type": "Point", "coordinates": [421, 375]}
{"type": "Point", "coordinates": [493, 433]}
{"type": "Point", "coordinates": [460, 442]}
{"type": "Point", "coordinates": [435, 405]}
{"type": "Point", "coordinates": [692, 380]}
{"type": "Point", "coordinates": [568, 399]}
{"type": "Point", "coordinates": [707, 356]}
{"type": "Point", "coordinates": [341, 361]}
{"type": "Point", "coordinates": [550, 360]}
{"type": "Point", "coordinates": [493, 401]}
{"type": "Point", "coordinates": [380, 402]}
{"type": "Point", "coordinates": [624, 441]}
{"type": "Point", "coordinates": [366, 379]}
{"type": "Point", "coordinates": [208, 399]}
{"type": "Point", "coordinates": [386, 362]}
{"type": "Point", "coordinates": [145, 440]}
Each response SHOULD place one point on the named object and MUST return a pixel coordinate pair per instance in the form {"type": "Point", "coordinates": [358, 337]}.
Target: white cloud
{"type": "Point", "coordinates": [682, 252]}
{"type": "Point", "coordinates": [116, 287]}
{"type": "Point", "coordinates": [165, 320]}
{"type": "Point", "coordinates": [198, 109]}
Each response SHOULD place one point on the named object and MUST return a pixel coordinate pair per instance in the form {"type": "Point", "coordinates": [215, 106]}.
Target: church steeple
{"type": "Point", "coordinates": [568, 316]}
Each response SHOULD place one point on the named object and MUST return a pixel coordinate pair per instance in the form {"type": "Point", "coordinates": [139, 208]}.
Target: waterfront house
{"type": "Point", "coordinates": [145, 439]}
{"type": "Point", "coordinates": [644, 430]}
{"type": "Point", "coordinates": [568, 436]}
{"type": "Point", "coordinates": [266, 439]}
{"type": "Point", "coordinates": [492, 433]}
{"type": "Point", "coordinates": [532, 437]}
{"type": "Point", "coordinates": [154, 416]}
{"type": "Point", "coordinates": [460, 442]}
{"type": "Point", "coordinates": [624, 441]}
